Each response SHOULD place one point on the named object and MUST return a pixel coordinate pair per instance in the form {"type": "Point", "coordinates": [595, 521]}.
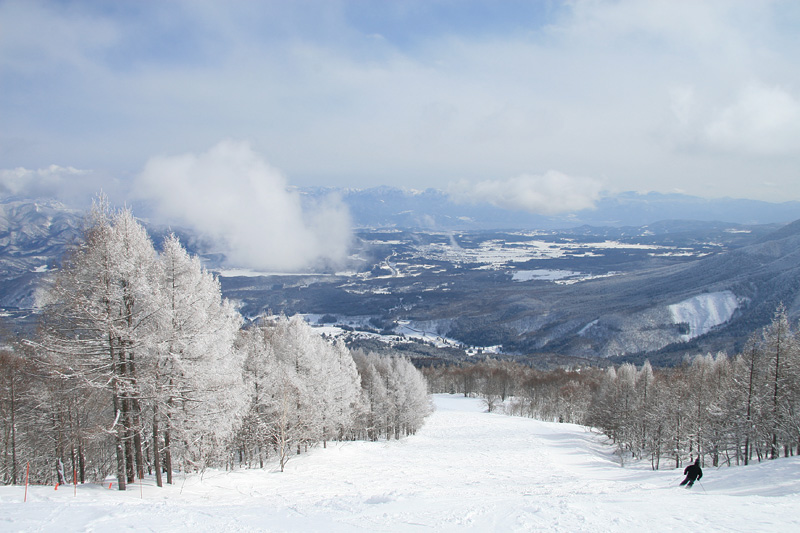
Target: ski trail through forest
{"type": "Point", "coordinates": [465, 470]}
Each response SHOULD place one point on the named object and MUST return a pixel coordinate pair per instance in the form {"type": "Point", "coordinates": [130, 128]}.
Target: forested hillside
{"type": "Point", "coordinates": [724, 408]}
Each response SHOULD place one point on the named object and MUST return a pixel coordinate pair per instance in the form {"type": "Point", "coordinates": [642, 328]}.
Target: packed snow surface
{"type": "Point", "coordinates": [704, 312]}
{"type": "Point", "coordinates": [466, 470]}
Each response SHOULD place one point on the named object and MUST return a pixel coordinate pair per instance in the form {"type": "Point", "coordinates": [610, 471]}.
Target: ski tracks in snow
{"type": "Point", "coordinates": [465, 470]}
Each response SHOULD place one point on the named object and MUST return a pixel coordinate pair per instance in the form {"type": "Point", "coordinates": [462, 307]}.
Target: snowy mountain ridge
{"type": "Point", "coordinates": [704, 312]}
{"type": "Point", "coordinates": [435, 209]}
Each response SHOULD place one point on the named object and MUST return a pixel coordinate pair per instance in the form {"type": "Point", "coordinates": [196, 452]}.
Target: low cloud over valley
{"type": "Point", "coordinates": [232, 195]}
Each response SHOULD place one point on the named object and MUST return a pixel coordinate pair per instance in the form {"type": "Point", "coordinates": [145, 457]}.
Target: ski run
{"type": "Point", "coordinates": [465, 470]}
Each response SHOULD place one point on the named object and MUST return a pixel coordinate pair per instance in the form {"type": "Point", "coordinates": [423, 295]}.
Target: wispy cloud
{"type": "Point", "coordinates": [230, 194]}
{"type": "Point", "coordinates": [550, 194]}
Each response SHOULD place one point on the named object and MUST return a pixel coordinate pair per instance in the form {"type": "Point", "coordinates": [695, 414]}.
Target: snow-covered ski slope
{"type": "Point", "coordinates": [466, 470]}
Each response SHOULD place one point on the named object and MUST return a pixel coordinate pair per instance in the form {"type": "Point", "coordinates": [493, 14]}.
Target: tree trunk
{"type": "Point", "coordinates": [168, 456]}
{"type": "Point", "coordinates": [746, 450]}
{"type": "Point", "coordinates": [118, 425]}
{"type": "Point", "coordinates": [156, 450]}
{"type": "Point", "coordinates": [135, 414]}
{"type": "Point", "coordinates": [750, 385]}
{"type": "Point", "coordinates": [62, 479]}
{"type": "Point", "coordinates": [73, 453]}
{"type": "Point", "coordinates": [130, 459]}
{"type": "Point", "coordinates": [13, 432]}
{"type": "Point", "coordinates": [126, 420]}
{"type": "Point", "coordinates": [81, 461]}
{"type": "Point", "coordinates": [137, 437]}
{"type": "Point", "coordinates": [774, 449]}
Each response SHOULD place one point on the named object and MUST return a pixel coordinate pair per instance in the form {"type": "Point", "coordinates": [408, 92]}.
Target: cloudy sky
{"type": "Point", "coordinates": [702, 97]}
{"type": "Point", "coordinates": [478, 97]}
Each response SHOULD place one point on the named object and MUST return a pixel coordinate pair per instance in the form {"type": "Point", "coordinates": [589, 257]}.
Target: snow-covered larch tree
{"type": "Point", "coordinates": [303, 388]}
{"type": "Point", "coordinates": [198, 395]}
{"type": "Point", "coordinates": [154, 335]}
{"type": "Point", "coordinates": [372, 421]}
{"type": "Point", "coordinates": [99, 319]}
{"type": "Point", "coordinates": [397, 399]}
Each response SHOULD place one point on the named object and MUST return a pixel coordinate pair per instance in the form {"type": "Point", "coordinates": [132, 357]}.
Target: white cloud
{"type": "Point", "coordinates": [682, 104]}
{"type": "Point", "coordinates": [25, 182]}
{"type": "Point", "coordinates": [763, 120]}
{"type": "Point", "coordinates": [550, 194]}
{"type": "Point", "coordinates": [70, 185]}
{"type": "Point", "coordinates": [232, 195]}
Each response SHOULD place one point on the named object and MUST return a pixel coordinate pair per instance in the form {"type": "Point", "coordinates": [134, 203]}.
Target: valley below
{"type": "Point", "coordinates": [581, 295]}
{"type": "Point", "coordinates": [546, 296]}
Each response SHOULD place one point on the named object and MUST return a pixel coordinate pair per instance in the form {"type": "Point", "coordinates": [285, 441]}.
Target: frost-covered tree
{"type": "Point", "coordinates": [644, 407]}
{"type": "Point", "coordinates": [196, 387]}
{"type": "Point", "coordinates": [375, 393]}
{"type": "Point", "coordinates": [718, 436]}
{"type": "Point", "coordinates": [409, 392]}
{"type": "Point", "coordinates": [152, 334]}
{"type": "Point", "coordinates": [781, 349]}
{"type": "Point", "coordinates": [253, 442]}
{"type": "Point", "coordinates": [15, 405]}
{"type": "Point", "coordinates": [300, 353]}
{"type": "Point", "coordinates": [655, 415]}
{"type": "Point", "coordinates": [396, 396]}
{"type": "Point", "coordinates": [303, 389]}
{"type": "Point", "coordinates": [764, 379]}
{"type": "Point", "coordinates": [273, 422]}
{"type": "Point", "coordinates": [699, 401]}
{"type": "Point", "coordinates": [604, 410]}
{"type": "Point", "coordinates": [98, 321]}
{"type": "Point", "coordinates": [341, 393]}
{"type": "Point", "coordinates": [748, 381]}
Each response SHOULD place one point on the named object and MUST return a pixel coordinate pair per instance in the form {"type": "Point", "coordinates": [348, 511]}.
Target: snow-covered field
{"type": "Point", "coordinates": [561, 277]}
{"type": "Point", "coordinates": [466, 470]}
{"type": "Point", "coordinates": [499, 253]}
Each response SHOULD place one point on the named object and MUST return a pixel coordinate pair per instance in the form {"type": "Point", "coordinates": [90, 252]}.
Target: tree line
{"type": "Point", "coordinates": [722, 409]}
{"type": "Point", "coordinates": [139, 366]}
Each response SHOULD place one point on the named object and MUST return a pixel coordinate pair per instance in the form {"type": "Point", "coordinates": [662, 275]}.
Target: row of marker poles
{"type": "Point", "coordinates": [74, 483]}
{"type": "Point", "coordinates": [141, 489]}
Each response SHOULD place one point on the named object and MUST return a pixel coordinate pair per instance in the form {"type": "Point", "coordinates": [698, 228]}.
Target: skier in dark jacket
{"type": "Point", "coordinates": [692, 472]}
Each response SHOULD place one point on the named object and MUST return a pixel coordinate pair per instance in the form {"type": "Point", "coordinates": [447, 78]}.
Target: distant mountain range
{"type": "Point", "coordinates": [434, 209]}
{"type": "Point", "coordinates": [34, 236]}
